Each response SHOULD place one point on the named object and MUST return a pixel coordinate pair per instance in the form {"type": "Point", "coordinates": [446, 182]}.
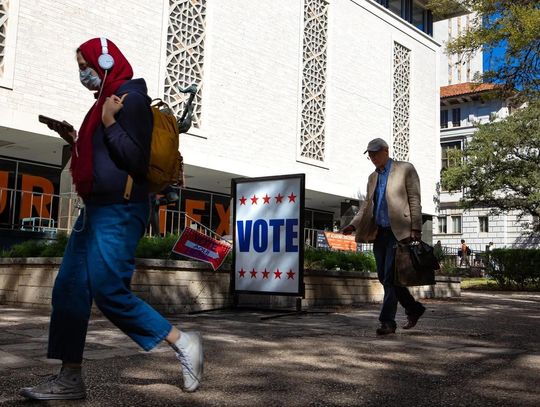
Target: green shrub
{"type": "Point", "coordinates": [38, 248]}
{"type": "Point", "coordinates": [157, 247]}
{"type": "Point", "coordinates": [30, 248]}
{"type": "Point", "coordinates": [57, 247]}
{"type": "Point", "coordinates": [317, 259]}
{"type": "Point", "coordinates": [449, 267]}
{"type": "Point", "coordinates": [515, 268]}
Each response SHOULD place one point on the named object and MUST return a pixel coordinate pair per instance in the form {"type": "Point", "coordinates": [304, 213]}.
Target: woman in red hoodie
{"type": "Point", "coordinates": [99, 261]}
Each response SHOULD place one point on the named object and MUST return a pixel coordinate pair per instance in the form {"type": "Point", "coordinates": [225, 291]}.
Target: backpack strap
{"type": "Point", "coordinates": [128, 188]}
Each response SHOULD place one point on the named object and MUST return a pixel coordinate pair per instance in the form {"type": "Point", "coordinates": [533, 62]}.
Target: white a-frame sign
{"type": "Point", "coordinates": [269, 235]}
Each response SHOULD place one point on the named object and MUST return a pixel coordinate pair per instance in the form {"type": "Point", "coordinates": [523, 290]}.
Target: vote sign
{"type": "Point", "coordinates": [269, 234]}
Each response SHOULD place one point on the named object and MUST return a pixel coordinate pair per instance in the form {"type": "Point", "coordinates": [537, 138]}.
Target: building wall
{"type": "Point", "coordinates": [46, 76]}
{"type": "Point", "coordinates": [504, 230]}
{"type": "Point", "coordinates": [45, 72]}
{"type": "Point", "coordinates": [251, 101]}
{"type": "Point", "coordinates": [451, 69]}
{"type": "Point", "coordinates": [474, 112]}
{"type": "Point", "coordinates": [251, 92]}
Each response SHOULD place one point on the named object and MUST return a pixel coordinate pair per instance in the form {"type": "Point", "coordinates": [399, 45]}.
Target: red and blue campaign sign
{"type": "Point", "coordinates": [268, 234]}
{"type": "Point", "coordinates": [198, 246]}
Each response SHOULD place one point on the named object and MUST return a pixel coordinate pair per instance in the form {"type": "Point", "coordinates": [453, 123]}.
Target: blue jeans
{"type": "Point", "coordinates": [384, 251]}
{"type": "Point", "coordinates": [98, 264]}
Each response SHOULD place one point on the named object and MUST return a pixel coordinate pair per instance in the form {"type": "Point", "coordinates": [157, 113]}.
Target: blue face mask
{"type": "Point", "coordinates": [89, 79]}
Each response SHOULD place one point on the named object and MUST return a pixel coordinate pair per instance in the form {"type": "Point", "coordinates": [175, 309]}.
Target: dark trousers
{"type": "Point", "coordinates": [384, 250]}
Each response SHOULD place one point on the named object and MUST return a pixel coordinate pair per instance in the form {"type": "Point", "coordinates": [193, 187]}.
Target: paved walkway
{"type": "Point", "coordinates": [482, 349]}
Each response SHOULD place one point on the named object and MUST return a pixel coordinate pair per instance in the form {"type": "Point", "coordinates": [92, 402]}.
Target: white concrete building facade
{"type": "Point", "coordinates": [284, 87]}
{"type": "Point", "coordinates": [455, 69]}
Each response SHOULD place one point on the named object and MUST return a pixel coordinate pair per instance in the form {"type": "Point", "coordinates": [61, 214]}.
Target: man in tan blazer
{"type": "Point", "coordinates": [390, 213]}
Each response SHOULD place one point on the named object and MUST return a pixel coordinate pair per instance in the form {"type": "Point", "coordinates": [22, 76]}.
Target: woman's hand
{"type": "Point", "coordinates": [65, 131]}
{"type": "Point", "coordinates": [113, 104]}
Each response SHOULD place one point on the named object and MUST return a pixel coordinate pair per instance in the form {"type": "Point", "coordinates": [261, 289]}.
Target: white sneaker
{"type": "Point", "coordinates": [191, 359]}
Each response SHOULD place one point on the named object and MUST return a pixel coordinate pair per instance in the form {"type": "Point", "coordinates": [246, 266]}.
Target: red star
{"type": "Point", "coordinates": [277, 274]}
{"type": "Point", "coordinates": [242, 200]}
{"type": "Point", "coordinates": [279, 198]}
{"type": "Point", "coordinates": [265, 274]}
{"type": "Point", "coordinates": [290, 275]}
{"type": "Point", "coordinates": [266, 199]}
{"type": "Point", "coordinates": [254, 200]}
{"type": "Point", "coordinates": [292, 197]}
{"type": "Point", "coordinates": [242, 272]}
{"type": "Point", "coordinates": [253, 273]}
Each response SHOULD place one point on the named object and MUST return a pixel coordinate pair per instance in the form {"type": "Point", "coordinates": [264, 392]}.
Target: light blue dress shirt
{"type": "Point", "coordinates": [381, 206]}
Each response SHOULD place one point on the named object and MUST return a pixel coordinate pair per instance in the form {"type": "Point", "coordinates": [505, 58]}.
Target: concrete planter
{"type": "Point", "coordinates": [184, 286]}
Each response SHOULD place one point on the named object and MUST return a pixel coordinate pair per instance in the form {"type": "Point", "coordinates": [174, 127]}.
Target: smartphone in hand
{"type": "Point", "coordinates": [62, 128]}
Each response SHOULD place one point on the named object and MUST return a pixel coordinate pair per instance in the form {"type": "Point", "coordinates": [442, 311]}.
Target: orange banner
{"type": "Point", "coordinates": [338, 241]}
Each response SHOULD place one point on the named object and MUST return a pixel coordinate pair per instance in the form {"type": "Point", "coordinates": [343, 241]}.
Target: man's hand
{"type": "Point", "coordinates": [113, 104]}
{"type": "Point", "coordinates": [347, 230]}
{"type": "Point", "coordinates": [416, 235]}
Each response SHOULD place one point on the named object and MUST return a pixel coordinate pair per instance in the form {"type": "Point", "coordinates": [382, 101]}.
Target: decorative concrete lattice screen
{"type": "Point", "coordinates": [185, 54]}
{"type": "Point", "coordinates": [402, 85]}
{"type": "Point", "coordinates": [312, 130]}
{"type": "Point", "coordinates": [4, 7]}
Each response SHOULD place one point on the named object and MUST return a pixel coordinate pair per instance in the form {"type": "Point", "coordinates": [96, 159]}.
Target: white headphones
{"type": "Point", "coordinates": [105, 60]}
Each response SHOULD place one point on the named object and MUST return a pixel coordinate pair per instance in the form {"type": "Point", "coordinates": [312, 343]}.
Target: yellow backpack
{"type": "Point", "coordinates": [166, 165]}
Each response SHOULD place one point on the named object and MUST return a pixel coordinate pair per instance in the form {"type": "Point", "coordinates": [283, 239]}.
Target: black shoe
{"type": "Point", "coordinates": [385, 329]}
{"type": "Point", "coordinates": [413, 318]}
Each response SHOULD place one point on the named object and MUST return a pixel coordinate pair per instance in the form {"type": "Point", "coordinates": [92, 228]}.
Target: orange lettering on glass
{"type": "Point", "coordinates": [3, 190]}
{"type": "Point", "coordinates": [224, 215]}
{"type": "Point", "coordinates": [191, 206]}
{"type": "Point", "coordinates": [31, 200]}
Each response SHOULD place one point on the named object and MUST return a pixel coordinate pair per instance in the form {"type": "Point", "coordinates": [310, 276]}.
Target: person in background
{"type": "Point", "coordinates": [99, 261]}
{"type": "Point", "coordinates": [464, 250]}
{"type": "Point", "coordinates": [438, 251]}
{"type": "Point", "coordinates": [391, 212]}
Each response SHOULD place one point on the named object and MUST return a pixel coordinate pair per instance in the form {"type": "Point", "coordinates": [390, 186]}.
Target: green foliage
{"type": "Point", "coordinates": [515, 268]}
{"type": "Point", "coordinates": [479, 283]}
{"type": "Point", "coordinates": [316, 259]}
{"type": "Point", "coordinates": [30, 248]}
{"type": "Point", "coordinates": [500, 166]}
{"type": "Point", "coordinates": [449, 267]}
{"type": "Point", "coordinates": [157, 247]}
{"type": "Point", "coordinates": [38, 248]}
{"type": "Point", "coordinates": [512, 24]}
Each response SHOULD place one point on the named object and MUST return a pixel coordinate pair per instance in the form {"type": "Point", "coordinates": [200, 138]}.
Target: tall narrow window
{"type": "Point", "coordinates": [312, 129]}
{"type": "Point", "coordinates": [185, 54]}
{"type": "Point", "coordinates": [441, 220]}
{"type": "Point", "coordinates": [456, 224]}
{"type": "Point", "coordinates": [444, 119]}
{"type": "Point", "coordinates": [446, 159]}
{"type": "Point", "coordinates": [483, 224]}
{"type": "Point", "coordinates": [401, 101]}
{"type": "Point", "coordinates": [456, 117]}
{"type": "Point", "coordinates": [460, 57]}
